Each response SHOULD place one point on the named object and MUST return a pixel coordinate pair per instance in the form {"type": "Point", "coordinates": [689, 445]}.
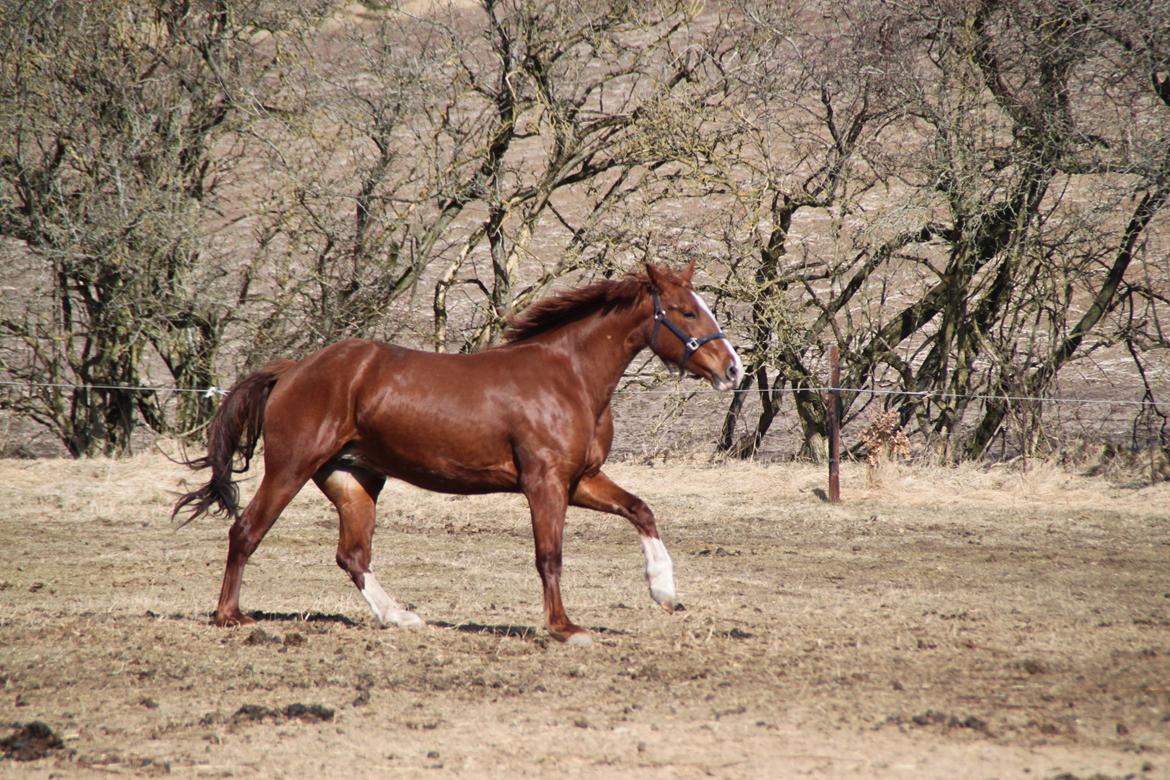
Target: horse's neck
{"type": "Point", "coordinates": [603, 346]}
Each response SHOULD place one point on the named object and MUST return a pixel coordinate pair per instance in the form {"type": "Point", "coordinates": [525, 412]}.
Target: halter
{"type": "Point", "coordinates": [691, 344]}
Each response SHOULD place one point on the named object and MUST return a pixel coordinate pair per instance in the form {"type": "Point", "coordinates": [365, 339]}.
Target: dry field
{"type": "Point", "coordinates": [956, 623]}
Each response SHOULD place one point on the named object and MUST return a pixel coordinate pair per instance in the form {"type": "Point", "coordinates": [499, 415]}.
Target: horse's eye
{"type": "Point", "coordinates": [690, 315]}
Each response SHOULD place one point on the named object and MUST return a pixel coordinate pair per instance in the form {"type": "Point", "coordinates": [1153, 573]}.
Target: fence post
{"type": "Point", "coordinates": [833, 418]}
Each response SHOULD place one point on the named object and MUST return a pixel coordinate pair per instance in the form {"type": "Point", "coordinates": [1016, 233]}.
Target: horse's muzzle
{"type": "Point", "coordinates": [731, 378]}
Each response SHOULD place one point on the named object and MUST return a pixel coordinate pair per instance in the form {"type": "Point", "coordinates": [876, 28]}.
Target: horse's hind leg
{"type": "Point", "coordinates": [355, 494]}
{"type": "Point", "coordinates": [276, 489]}
{"type": "Point", "coordinates": [600, 493]}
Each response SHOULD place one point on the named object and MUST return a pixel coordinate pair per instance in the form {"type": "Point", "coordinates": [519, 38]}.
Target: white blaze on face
{"type": "Point", "coordinates": [735, 361]}
{"type": "Point", "coordinates": [659, 571]}
{"type": "Point", "coordinates": [386, 609]}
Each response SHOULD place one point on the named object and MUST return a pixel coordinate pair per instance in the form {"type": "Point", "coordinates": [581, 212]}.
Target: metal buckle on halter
{"type": "Point", "coordinates": [693, 345]}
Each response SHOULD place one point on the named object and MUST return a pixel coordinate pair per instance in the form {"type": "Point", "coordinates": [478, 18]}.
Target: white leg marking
{"type": "Point", "coordinates": [386, 609]}
{"type": "Point", "coordinates": [659, 572]}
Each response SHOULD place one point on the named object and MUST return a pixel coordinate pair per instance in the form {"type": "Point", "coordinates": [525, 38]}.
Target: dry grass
{"type": "Point", "coordinates": [945, 622]}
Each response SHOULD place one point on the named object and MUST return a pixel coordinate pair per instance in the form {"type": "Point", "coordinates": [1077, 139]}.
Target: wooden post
{"type": "Point", "coordinates": [833, 419]}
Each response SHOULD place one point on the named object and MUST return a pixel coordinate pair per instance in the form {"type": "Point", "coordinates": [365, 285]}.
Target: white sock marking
{"type": "Point", "coordinates": [386, 609]}
{"type": "Point", "coordinates": [659, 571]}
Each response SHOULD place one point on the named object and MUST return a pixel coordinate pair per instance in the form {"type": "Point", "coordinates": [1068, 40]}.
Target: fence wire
{"type": "Point", "coordinates": [649, 391]}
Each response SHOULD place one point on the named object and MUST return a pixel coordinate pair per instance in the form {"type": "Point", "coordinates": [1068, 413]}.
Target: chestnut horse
{"type": "Point", "coordinates": [531, 416]}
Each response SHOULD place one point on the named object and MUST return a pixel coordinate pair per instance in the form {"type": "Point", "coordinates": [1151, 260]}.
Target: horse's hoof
{"type": "Point", "coordinates": [664, 597]}
{"type": "Point", "coordinates": [571, 635]}
{"type": "Point", "coordinates": [581, 639]}
{"type": "Point", "coordinates": [232, 621]}
{"type": "Point", "coordinates": [405, 619]}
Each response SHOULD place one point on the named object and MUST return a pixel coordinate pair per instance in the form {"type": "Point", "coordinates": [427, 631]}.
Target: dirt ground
{"type": "Point", "coordinates": [943, 623]}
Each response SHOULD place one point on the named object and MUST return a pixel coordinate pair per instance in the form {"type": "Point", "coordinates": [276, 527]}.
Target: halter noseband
{"type": "Point", "coordinates": [691, 344]}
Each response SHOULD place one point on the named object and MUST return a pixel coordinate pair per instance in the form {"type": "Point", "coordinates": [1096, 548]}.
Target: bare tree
{"type": "Point", "coordinates": [982, 273]}
{"type": "Point", "coordinates": [109, 114]}
{"type": "Point", "coordinates": [805, 96]}
{"type": "Point", "coordinates": [476, 151]}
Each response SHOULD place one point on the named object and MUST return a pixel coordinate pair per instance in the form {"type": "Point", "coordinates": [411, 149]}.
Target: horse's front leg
{"type": "Point", "coordinates": [548, 499]}
{"type": "Point", "coordinates": [600, 493]}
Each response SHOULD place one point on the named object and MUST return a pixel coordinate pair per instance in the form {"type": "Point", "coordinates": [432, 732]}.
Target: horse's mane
{"type": "Point", "coordinates": [604, 296]}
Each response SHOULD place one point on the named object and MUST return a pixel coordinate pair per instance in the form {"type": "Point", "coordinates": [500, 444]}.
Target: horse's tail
{"type": "Point", "coordinates": [235, 429]}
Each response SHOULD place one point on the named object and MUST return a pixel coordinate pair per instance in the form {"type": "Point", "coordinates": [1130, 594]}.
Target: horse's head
{"type": "Point", "coordinates": [685, 333]}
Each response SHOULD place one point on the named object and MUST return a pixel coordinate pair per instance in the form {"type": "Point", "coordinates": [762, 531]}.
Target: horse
{"type": "Point", "coordinates": [530, 415]}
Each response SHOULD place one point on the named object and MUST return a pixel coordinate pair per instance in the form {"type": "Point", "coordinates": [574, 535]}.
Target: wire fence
{"type": "Point", "coordinates": [205, 391]}
{"type": "Point", "coordinates": [649, 391]}
{"type": "Point", "coordinates": [664, 429]}
{"type": "Point", "coordinates": [927, 394]}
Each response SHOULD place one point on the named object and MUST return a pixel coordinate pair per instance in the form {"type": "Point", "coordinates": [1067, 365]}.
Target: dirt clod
{"type": "Point", "coordinates": [31, 741]}
{"type": "Point", "coordinates": [308, 713]}
{"type": "Point", "coordinates": [1033, 666]}
{"type": "Point", "coordinates": [259, 636]}
{"type": "Point", "coordinates": [940, 719]}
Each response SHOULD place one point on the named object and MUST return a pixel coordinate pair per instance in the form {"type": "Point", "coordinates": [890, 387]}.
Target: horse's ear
{"type": "Point", "coordinates": [654, 275]}
{"type": "Point", "coordinates": [688, 272]}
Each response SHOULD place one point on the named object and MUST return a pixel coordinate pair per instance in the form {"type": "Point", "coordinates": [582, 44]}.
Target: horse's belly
{"type": "Point", "coordinates": [456, 478]}
{"type": "Point", "coordinates": [434, 466]}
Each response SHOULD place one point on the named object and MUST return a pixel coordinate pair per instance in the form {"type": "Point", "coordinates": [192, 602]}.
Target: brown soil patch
{"type": "Point", "coordinates": [944, 624]}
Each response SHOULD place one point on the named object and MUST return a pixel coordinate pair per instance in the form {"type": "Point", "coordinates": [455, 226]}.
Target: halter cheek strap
{"type": "Point", "coordinates": [691, 344]}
